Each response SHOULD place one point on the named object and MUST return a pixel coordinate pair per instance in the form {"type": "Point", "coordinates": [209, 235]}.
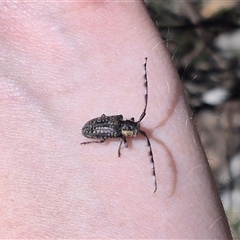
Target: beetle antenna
{"type": "Point", "coordinates": [146, 91]}
{"type": "Point", "coordinates": [152, 160]}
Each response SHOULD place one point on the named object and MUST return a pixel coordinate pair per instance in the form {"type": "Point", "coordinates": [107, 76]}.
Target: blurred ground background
{"type": "Point", "coordinates": [203, 38]}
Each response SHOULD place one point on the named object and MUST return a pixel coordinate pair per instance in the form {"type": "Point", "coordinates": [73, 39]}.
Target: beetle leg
{"type": "Point", "coordinates": [100, 141]}
{"type": "Point", "coordinates": [123, 140]}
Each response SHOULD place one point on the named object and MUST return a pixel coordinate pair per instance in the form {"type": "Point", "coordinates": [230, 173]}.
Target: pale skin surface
{"type": "Point", "coordinates": [63, 64]}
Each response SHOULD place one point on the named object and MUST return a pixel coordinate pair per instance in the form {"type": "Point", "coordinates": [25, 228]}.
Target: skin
{"type": "Point", "coordinates": [63, 64]}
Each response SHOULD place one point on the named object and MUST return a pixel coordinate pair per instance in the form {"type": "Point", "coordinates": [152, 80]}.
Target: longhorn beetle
{"type": "Point", "coordinates": [105, 127]}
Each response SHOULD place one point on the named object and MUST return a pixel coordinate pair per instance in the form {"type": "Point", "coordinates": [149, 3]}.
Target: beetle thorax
{"type": "Point", "coordinates": [130, 128]}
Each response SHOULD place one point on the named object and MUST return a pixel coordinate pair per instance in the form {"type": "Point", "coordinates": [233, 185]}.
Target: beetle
{"type": "Point", "coordinates": [106, 127]}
